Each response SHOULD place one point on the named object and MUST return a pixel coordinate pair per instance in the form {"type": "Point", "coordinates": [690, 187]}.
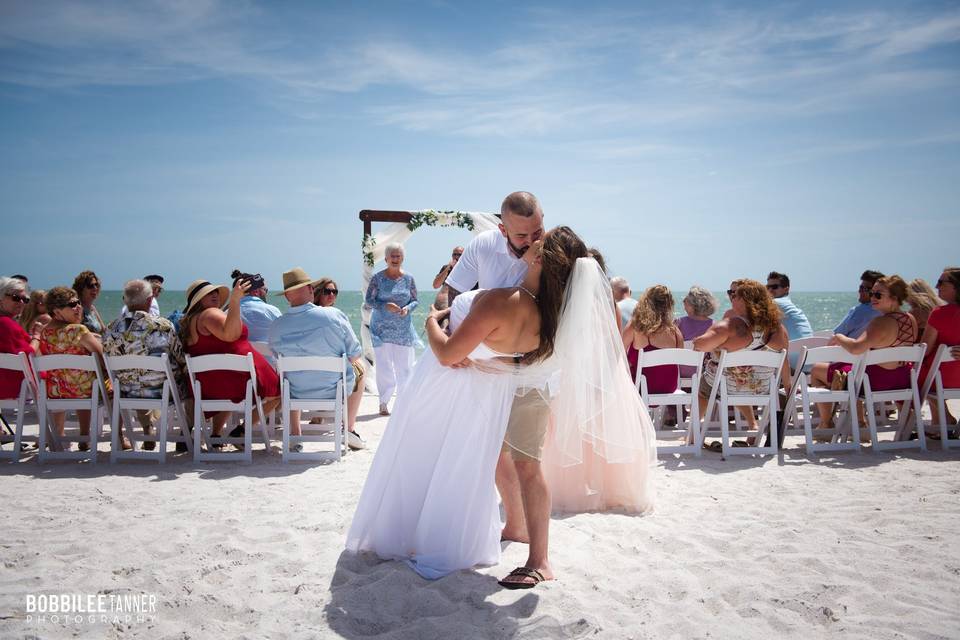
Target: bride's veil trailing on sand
{"type": "Point", "coordinates": [594, 400]}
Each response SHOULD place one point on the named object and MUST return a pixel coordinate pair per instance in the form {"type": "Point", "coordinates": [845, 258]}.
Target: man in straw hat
{"type": "Point", "coordinates": [308, 330]}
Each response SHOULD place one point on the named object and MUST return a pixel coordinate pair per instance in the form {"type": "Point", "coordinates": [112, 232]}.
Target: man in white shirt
{"type": "Point", "coordinates": [493, 260]}
{"type": "Point", "coordinates": [621, 295]}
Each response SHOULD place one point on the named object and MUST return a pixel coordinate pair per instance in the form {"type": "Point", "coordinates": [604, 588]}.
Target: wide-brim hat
{"type": "Point", "coordinates": [296, 278]}
{"type": "Point", "coordinates": [200, 288]}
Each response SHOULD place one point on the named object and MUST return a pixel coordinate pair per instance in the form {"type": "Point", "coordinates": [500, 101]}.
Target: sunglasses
{"type": "Point", "coordinates": [731, 292]}
{"type": "Point", "coordinates": [457, 255]}
{"type": "Point", "coordinates": [773, 287]}
{"type": "Point", "coordinates": [73, 304]}
{"type": "Point", "coordinates": [18, 298]}
{"type": "Point", "coordinates": [942, 282]}
{"type": "Point", "coordinates": [863, 289]}
{"type": "Point", "coordinates": [330, 292]}
{"type": "Point", "coordinates": [876, 295]}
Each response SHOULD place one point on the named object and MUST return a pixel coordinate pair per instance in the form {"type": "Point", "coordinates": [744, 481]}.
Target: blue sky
{"type": "Point", "coordinates": [691, 142]}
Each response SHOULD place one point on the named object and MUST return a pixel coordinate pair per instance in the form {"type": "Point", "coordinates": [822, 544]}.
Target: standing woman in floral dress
{"type": "Point", "coordinates": [392, 295]}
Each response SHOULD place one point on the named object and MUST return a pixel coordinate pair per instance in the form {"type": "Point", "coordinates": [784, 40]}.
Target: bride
{"type": "Point", "coordinates": [430, 498]}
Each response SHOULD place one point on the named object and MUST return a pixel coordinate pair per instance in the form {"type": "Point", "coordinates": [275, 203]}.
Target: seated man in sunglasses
{"type": "Point", "coordinates": [794, 319]}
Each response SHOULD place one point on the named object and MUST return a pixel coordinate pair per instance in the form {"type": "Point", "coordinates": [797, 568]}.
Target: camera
{"type": "Point", "coordinates": [255, 279]}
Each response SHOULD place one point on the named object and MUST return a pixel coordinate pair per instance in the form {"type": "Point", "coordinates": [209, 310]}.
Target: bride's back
{"type": "Point", "coordinates": [512, 315]}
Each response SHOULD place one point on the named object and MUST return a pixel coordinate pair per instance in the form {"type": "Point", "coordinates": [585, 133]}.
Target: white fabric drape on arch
{"type": "Point", "coordinates": [399, 232]}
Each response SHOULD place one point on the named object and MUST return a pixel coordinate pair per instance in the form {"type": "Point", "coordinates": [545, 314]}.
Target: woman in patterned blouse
{"type": "Point", "coordinates": [393, 296]}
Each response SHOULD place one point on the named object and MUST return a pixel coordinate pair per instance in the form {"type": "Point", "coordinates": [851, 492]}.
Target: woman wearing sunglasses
{"type": "Point", "coordinates": [66, 334]}
{"type": "Point", "coordinates": [943, 327]}
{"type": "Point", "coordinates": [894, 328]}
{"type": "Point", "coordinates": [325, 293]}
{"type": "Point", "coordinates": [13, 337]}
{"type": "Point", "coordinates": [87, 286]}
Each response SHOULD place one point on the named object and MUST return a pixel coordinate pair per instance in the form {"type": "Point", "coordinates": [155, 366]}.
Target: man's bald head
{"type": "Point", "coordinates": [521, 203]}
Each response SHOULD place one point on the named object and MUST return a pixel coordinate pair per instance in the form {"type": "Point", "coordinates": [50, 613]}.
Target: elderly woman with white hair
{"type": "Point", "coordinates": [392, 295]}
{"type": "Point", "coordinates": [13, 337]}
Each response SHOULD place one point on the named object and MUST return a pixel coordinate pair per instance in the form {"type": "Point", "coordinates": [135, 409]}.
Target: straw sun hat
{"type": "Point", "coordinates": [296, 278]}
{"type": "Point", "coordinates": [200, 288]}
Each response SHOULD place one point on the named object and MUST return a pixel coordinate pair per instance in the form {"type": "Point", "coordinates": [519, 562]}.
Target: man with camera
{"type": "Point", "coordinates": [255, 312]}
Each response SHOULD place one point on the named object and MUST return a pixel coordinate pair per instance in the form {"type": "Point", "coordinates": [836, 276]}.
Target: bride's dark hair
{"type": "Point", "coordinates": [558, 254]}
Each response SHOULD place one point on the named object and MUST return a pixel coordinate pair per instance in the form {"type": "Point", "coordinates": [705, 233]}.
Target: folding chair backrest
{"type": "Point", "coordinates": [66, 361]}
{"type": "Point", "coordinates": [19, 362]}
{"type": "Point", "coordinates": [823, 333]}
{"type": "Point", "coordinates": [660, 357]}
{"type": "Point", "coordinates": [796, 346]}
{"type": "Point", "coordinates": [912, 354]}
{"type": "Point", "coordinates": [939, 359]}
{"type": "Point", "coordinates": [263, 348]}
{"type": "Point", "coordinates": [745, 358]}
{"type": "Point", "coordinates": [817, 355]}
{"type": "Point", "coordinates": [333, 364]}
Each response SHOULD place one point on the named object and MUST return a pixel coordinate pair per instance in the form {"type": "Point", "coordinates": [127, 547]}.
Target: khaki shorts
{"type": "Point", "coordinates": [527, 427]}
{"type": "Point", "coordinates": [358, 375]}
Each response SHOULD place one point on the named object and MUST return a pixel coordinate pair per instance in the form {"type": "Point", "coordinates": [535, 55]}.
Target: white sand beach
{"type": "Point", "coordinates": [857, 546]}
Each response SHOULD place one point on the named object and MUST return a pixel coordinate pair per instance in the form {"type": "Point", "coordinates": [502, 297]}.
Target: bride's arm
{"type": "Point", "coordinates": [483, 319]}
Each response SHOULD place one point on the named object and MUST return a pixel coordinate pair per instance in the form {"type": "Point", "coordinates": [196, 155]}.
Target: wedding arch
{"type": "Point", "coordinates": [400, 226]}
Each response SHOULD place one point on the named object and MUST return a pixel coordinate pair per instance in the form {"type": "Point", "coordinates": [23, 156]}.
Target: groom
{"type": "Point", "coordinates": [493, 260]}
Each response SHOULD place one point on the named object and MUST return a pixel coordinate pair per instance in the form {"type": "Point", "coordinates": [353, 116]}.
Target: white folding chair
{"type": "Point", "coordinates": [337, 407]}
{"type": "Point", "coordinates": [167, 430]}
{"type": "Point", "coordinates": [93, 403]}
{"type": "Point", "coordinates": [940, 395]}
{"type": "Point", "coordinates": [875, 401]}
{"type": "Point", "coordinates": [721, 399]}
{"type": "Point", "coordinates": [679, 398]}
{"type": "Point", "coordinates": [823, 333]}
{"type": "Point", "coordinates": [19, 362]}
{"type": "Point", "coordinates": [224, 362]}
{"type": "Point", "coordinates": [845, 433]}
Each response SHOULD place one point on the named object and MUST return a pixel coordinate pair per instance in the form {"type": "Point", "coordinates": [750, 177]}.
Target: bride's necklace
{"type": "Point", "coordinates": [526, 291]}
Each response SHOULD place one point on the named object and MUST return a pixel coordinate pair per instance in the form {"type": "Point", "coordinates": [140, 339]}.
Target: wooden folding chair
{"type": "Point", "coordinates": [19, 362]}
{"type": "Point", "coordinates": [875, 401]}
{"type": "Point", "coordinates": [168, 429]}
{"type": "Point", "coordinates": [940, 395]}
{"type": "Point", "coordinates": [224, 362]}
{"type": "Point", "coordinates": [93, 403]}
{"type": "Point", "coordinates": [682, 397]}
{"type": "Point", "coordinates": [335, 407]}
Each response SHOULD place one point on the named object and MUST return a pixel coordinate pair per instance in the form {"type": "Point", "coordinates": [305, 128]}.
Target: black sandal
{"type": "Point", "coordinates": [526, 572]}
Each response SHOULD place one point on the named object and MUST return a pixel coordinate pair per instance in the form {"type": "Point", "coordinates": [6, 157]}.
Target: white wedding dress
{"type": "Point", "coordinates": [430, 497]}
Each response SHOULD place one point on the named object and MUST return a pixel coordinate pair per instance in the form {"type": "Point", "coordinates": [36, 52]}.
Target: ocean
{"type": "Point", "coordinates": [824, 309]}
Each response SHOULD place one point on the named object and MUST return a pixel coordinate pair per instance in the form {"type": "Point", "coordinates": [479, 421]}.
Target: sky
{"type": "Point", "coordinates": [691, 142]}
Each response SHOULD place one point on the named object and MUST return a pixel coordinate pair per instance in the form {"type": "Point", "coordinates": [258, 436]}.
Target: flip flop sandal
{"type": "Point", "coordinates": [715, 446]}
{"type": "Point", "coordinates": [739, 444]}
{"type": "Point", "coordinates": [526, 572]}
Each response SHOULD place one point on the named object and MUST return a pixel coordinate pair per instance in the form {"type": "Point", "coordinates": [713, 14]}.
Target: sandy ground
{"type": "Point", "coordinates": [857, 546]}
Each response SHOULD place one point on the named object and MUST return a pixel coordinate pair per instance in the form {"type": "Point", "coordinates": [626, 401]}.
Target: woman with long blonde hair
{"type": "Point", "coordinates": [35, 311]}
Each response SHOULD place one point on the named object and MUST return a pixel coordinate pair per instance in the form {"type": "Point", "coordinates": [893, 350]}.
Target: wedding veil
{"type": "Point", "coordinates": [594, 400]}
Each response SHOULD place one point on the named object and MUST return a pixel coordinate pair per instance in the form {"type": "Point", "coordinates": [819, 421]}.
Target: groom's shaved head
{"type": "Point", "coordinates": [521, 203]}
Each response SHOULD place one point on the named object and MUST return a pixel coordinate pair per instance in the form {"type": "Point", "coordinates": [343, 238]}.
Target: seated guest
{"type": "Point", "coordinates": [67, 335]}
{"type": "Point", "coordinates": [754, 325]}
{"type": "Point", "coordinates": [308, 330]}
{"type": "Point", "coordinates": [650, 328]}
{"type": "Point", "coordinates": [442, 300]}
{"type": "Point", "coordinates": [13, 337]}
{"type": "Point", "coordinates": [325, 292]}
{"type": "Point", "coordinates": [205, 330]}
{"type": "Point", "coordinates": [255, 312]}
{"type": "Point", "coordinates": [35, 311]}
{"type": "Point", "coordinates": [140, 333]}
{"type": "Point", "coordinates": [156, 283]}
{"type": "Point", "coordinates": [860, 316]}
{"type": "Point", "coordinates": [891, 328]}
{"type": "Point", "coordinates": [794, 320]}
{"type": "Point", "coordinates": [699, 304]}
{"type": "Point", "coordinates": [922, 300]}
{"type": "Point", "coordinates": [621, 295]}
{"type": "Point", "coordinates": [87, 286]}
{"type": "Point", "coordinates": [943, 327]}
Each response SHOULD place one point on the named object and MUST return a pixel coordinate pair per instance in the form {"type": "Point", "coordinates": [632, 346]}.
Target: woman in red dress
{"type": "Point", "coordinates": [943, 327]}
{"type": "Point", "coordinates": [206, 330]}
